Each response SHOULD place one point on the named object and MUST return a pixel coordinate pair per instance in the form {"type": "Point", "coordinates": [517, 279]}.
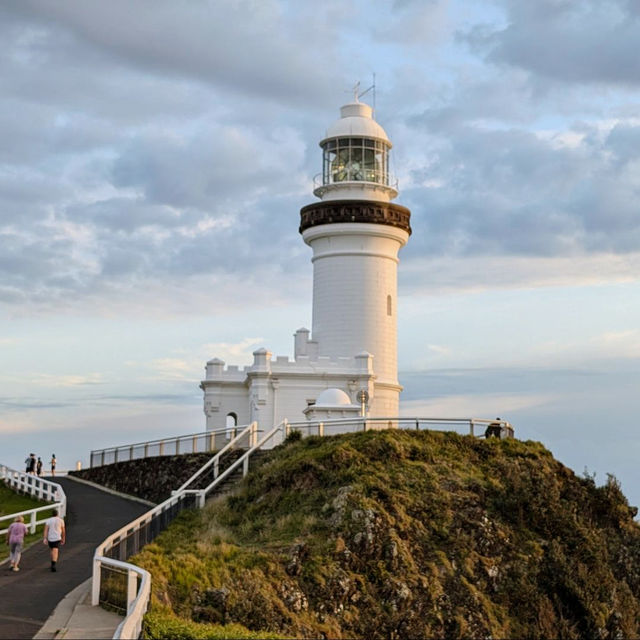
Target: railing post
{"type": "Point", "coordinates": [131, 452]}
{"type": "Point", "coordinates": [216, 468]}
{"type": "Point", "coordinates": [321, 428]}
{"type": "Point", "coordinates": [146, 450]}
{"type": "Point", "coordinates": [254, 434]}
{"type": "Point", "coordinates": [201, 499]}
{"type": "Point", "coordinates": [132, 587]}
{"type": "Point", "coordinates": [95, 583]}
{"type": "Point", "coordinates": [177, 446]}
{"type": "Point", "coordinates": [194, 445]}
{"type": "Point", "coordinates": [115, 455]}
{"type": "Point", "coordinates": [471, 427]}
{"type": "Point", "coordinates": [32, 526]}
{"type": "Point", "coordinates": [287, 428]}
{"type": "Point", "coordinates": [212, 442]}
{"type": "Point", "coordinates": [161, 448]}
{"type": "Point", "coordinates": [102, 459]}
{"type": "Point", "coordinates": [245, 466]}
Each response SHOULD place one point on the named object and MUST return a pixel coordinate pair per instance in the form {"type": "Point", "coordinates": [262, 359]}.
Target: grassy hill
{"type": "Point", "coordinates": [400, 534]}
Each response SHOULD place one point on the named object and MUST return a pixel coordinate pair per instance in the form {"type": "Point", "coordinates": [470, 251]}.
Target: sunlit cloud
{"type": "Point", "coordinates": [482, 273]}
{"type": "Point", "coordinates": [473, 406]}
{"type": "Point", "coordinates": [54, 381]}
{"type": "Point", "coordinates": [234, 353]}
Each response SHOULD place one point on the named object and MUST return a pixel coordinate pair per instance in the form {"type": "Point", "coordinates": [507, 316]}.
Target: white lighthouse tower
{"type": "Point", "coordinates": [350, 355]}
{"type": "Point", "coordinates": [355, 233]}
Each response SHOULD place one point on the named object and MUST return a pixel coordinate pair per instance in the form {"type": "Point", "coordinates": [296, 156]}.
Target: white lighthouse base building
{"type": "Point", "coordinates": [309, 387]}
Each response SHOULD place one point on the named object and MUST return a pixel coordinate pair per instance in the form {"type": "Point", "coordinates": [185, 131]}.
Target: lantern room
{"type": "Point", "coordinates": [355, 158]}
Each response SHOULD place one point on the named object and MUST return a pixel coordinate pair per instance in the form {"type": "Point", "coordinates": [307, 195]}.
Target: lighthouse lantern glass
{"type": "Point", "coordinates": [354, 160]}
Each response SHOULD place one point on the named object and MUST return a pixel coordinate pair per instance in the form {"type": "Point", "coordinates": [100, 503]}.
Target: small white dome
{"type": "Point", "coordinates": [356, 120]}
{"type": "Point", "coordinates": [332, 398]}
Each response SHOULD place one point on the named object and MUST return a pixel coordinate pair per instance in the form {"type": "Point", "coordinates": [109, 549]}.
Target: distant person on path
{"type": "Point", "coordinates": [31, 463]}
{"type": "Point", "coordinates": [39, 467]}
{"type": "Point", "coordinates": [15, 539]}
{"type": "Point", "coordinates": [54, 535]}
{"type": "Point", "coordinates": [53, 464]}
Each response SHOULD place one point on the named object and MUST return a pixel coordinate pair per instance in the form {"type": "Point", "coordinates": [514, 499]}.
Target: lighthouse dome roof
{"type": "Point", "coordinates": [356, 119]}
{"type": "Point", "coordinates": [332, 398]}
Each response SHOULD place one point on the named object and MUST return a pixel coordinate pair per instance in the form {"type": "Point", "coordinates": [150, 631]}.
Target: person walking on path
{"type": "Point", "coordinates": [54, 535]}
{"type": "Point", "coordinates": [15, 539]}
{"type": "Point", "coordinates": [39, 467]}
{"type": "Point", "coordinates": [53, 464]}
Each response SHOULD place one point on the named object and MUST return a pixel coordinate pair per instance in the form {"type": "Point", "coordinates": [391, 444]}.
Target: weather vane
{"type": "Point", "coordinates": [357, 94]}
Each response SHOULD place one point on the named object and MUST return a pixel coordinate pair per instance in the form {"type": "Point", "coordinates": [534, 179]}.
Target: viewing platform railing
{"type": "Point", "coordinates": [468, 426]}
{"type": "Point", "coordinates": [35, 487]}
{"type": "Point", "coordinates": [200, 442]}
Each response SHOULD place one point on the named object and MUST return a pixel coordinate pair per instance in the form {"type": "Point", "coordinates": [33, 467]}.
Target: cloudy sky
{"type": "Point", "coordinates": [155, 155]}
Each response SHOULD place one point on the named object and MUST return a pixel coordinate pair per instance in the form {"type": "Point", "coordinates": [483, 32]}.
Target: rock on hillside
{"type": "Point", "coordinates": [399, 534]}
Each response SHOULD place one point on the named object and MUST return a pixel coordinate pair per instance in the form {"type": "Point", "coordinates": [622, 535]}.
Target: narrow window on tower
{"type": "Point", "coordinates": [389, 309]}
{"type": "Point", "coordinates": [231, 424]}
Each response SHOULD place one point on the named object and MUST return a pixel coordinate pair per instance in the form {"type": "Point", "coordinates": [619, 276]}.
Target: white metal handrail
{"type": "Point", "coordinates": [38, 488]}
{"type": "Point", "coordinates": [175, 445]}
{"type": "Point", "coordinates": [137, 598]}
{"type": "Point", "coordinates": [243, 460]}
{"type": "Point", "coordinates": [250, 430]}
{"type": "Point", "coordinates": [131, 626]}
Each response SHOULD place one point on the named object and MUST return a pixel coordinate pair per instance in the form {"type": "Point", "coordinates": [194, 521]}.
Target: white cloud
{"type": "Point", "coordinates": [71, 380]}
{"type": "Point", "coordinates": [446, 274]}
{"type": "Point", "coordinates": [486, 406]}
{"type": "Point", "coordinates": [234, 353]}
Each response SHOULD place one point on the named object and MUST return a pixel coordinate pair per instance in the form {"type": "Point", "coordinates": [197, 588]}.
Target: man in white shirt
{"type": "Point", "coordinates": [54, 535]}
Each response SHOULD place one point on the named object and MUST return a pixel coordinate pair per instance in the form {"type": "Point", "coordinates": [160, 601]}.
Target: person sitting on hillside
{"type": "Point", "coordinates": [494, 430]}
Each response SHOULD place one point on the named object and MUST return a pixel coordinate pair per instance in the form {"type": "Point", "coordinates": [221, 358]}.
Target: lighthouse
{"type": "Point", "coordinates": [356, 232]}
{"type": "Point", "coordinates": [347, 365]}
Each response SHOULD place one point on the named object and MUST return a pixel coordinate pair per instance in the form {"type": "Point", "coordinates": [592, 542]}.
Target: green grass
{"type": "Point", "coordinates": [12, 502]}
{"type": "Point", "coordinates": [397, 534]}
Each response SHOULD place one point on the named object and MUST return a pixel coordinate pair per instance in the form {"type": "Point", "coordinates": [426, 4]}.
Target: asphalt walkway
{"type": "Point", "coordinates": [28, 597]}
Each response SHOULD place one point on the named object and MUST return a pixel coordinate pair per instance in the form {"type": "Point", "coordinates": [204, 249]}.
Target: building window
{"type": "Point", "coordinates": [389, 306]}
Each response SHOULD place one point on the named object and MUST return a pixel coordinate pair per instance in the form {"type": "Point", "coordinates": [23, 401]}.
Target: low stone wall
{"type": "Point", "coordinates": [150, 478]}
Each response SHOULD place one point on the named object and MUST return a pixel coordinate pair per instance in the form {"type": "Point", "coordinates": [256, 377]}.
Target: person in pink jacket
{"type": "Point", "coordinates": [15, 539]}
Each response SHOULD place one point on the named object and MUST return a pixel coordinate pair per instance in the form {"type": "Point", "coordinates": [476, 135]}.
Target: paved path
{"type": "Point", "coordinates": [27, 598]}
